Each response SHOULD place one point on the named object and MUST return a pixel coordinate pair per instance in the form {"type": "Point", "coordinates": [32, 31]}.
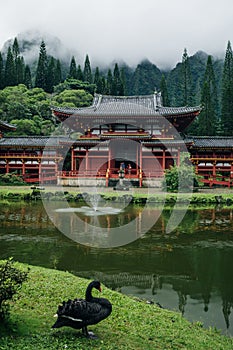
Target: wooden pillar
{"type": "Point", "coordinates": [39, 169]}
{"type": "Point", "coordinates": [214, 169]}
{"type": "Point", "coordinates": [140, 165]}
{"type": "Point", "coordinates": [23, 167]}
{"type": "Point", "coordinates": [86, 163]}
{"type": "Point", "coordinates": [73, 165]}
{"type": "Point", "coordinates": [164, 159]}
{"type": "Point", "coordinates": [7, 166]}
{"type": "Point", "coordinates": [178, 157]}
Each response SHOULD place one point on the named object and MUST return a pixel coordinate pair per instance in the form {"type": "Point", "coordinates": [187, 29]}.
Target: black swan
{"type": "Point", "coordinates": [80, 313]}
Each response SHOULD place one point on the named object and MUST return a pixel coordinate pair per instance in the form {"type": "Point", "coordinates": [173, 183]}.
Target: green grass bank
{"type": "Point", "coordinates": [132, 325]}
{"type": "Point", "coordinates": [137, 195]}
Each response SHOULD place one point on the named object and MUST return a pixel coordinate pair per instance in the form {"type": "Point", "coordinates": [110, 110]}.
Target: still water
{"type": "Point", "coordinates": [189, 270]}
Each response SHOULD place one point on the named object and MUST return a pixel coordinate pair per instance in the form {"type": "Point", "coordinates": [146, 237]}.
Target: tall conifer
{"type": "Point", "coordinates": [27, 77]}
{"type": "Point", "coordinates": [73, 69]}
{"type": "Point", "coordinates": [208, 118]}
{"type": "Point", "coordinates": [10, 73]}
{"type": "Point", "coordinates": [42, 67]}
{"type": "Point", "coordinates": [87, 74]}
{"type": "Point", "coordinates": [164, 92]}
{"type": "Point", "coordinates": [1, 72]}
{"type": "Point", "coordinates": [58, 73]}
{"type": "Point", "coordinates": [186, 80]}
{"type": "Point", "coordinates": [109, 82]}
{"type": "Point", "coordinates": [227, 92]}
{"type": "Point", "coordinates": [79, 73]}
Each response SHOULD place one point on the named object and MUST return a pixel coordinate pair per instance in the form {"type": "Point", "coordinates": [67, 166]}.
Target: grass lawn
{"type": "Point", "coordinates": [132, 325]}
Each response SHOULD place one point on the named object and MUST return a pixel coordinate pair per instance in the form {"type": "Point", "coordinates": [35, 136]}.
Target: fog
{"type": "Point", "coordinates": [126, 30]}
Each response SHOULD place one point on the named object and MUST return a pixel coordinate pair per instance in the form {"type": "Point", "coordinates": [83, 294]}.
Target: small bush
{"type": "Point", "coordinates": [11, 280]}
{"type": "Point", "coordinates": [11, 179]}
{"type": "Point", "coordinates": [180, 178]}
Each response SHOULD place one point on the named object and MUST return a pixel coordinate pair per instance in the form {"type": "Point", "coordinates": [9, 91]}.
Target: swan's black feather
{"type": "Point", "coordinates": [79, 313]}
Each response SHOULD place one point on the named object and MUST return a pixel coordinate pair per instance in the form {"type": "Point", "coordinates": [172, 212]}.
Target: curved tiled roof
{"type": "Point", "coordinates": [32, 141]}
{"type": "Point", "coordinates": [6, 126]}
{"type": "Point", "coordinates": [210, 142]}
{"type": "Point", "coordinates": [104, 105]}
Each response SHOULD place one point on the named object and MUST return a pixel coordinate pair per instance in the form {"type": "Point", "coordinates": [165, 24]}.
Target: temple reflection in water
{"type": "Point", "coordinates": [189, 270]}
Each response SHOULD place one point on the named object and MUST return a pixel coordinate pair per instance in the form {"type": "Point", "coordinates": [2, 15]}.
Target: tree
{"type": "Point", "coordinates": [19, 62]}
{"type": "Point", "coordinates": [117, 86]}
{"type": "Point", "coordinates": [73, 69]}
{"type": "Point", "coordinates": [80, 73]}
{"type": "Point", "coordinates": [51, 75]}
{"type": "Point", "coordinates": [109, 82]}
{"type": "Point", "coordinates": [42, 67]}
{"type": "Point", "coordinates": [10, 74]}
{"type": "Point", "coordinates": [87, 74]}
{"type": "Point", "coordinates": [186, 80]}
{"type": "Point", "coordinates": [98, 81]}
{"type": "Point", "coordinates": [27, 77]}
{"type": "Point", "coordinates": [227, 92]}
{"type": "Point", "coordinates": [58, 73]}
{"type": "Point", "coordinates": [73, 98]}
{"type": "Point", "coordinates": [1, 72]}
{"type": "Point", "coordinates": [208, 117]}
{"type": "Point", "coordinates": [164, 92]}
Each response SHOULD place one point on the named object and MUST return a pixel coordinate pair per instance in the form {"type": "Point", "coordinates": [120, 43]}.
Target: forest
{"type": "Point", "coordinates": [28, 91]}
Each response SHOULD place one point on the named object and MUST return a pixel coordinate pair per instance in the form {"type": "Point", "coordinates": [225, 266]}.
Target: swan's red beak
{"type": "Point", "coordinates": [100, 289]}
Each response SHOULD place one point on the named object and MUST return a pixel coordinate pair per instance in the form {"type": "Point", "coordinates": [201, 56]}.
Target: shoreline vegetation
{"type": "Point", "coordinates": [133, 324]}
{"type": "Point", "coordinates": [213, 196]}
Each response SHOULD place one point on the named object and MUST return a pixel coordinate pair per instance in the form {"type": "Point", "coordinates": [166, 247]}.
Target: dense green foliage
{"type": "Point", "coordinates": [179, 178]}
{"type": "Point", "coordinates": [195, 80]}
{"type": "Point", "coordinates": [11, 280]}
{"type": "Point", "coordinates": [11, 179]}
{"type": "Point", "coordinates": [133, 324]}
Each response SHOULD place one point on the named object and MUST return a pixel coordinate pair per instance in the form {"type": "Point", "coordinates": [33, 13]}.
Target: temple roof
{"type": "Point", "coordinates": [126, 106]}
{"type": "Point", "coordinates": [205, 142]}
{"type": "Point", "coordinates": [6, 126]}
{"type": "Point", "coordinates": [31, 141]}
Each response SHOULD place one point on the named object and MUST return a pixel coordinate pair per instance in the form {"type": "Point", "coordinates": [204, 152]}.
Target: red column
{"type": "Point", "coordinates": [73, 165]}
{"type": "Point", "coordinates": [163, 159]}
{"type": "Point", "coordinates": [140, 165]}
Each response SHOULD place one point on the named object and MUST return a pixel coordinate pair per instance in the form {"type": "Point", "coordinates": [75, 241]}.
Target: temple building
{"type": "Point", "coordinates": [134, 138]}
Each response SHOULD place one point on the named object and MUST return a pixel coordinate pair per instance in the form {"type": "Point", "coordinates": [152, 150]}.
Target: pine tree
{"type": "Point", "coordinates": [10, 73]}
{"type": "Point", "coordinates": [1, 72]}
{"type": "Point", "coordinates": [186, 80]}
{"type": "Point", "coordinates": [50, 79]}
{"type": "Point", "coordinates": [27, 77]}
{"type": "Point", "coordinates": [80, 73]}
{"type": "Point", "coordinates": [87, 74]}
{"type": "Point", "coordinates": [164, 92]}
{"type": "Point", "coordinates": [98, 81]}
{"type": "Point", "coordinates": [42, 67]}
{"type": "Point", "coordinates": [208, 117]}
{"type": "Point", "coordinates": [109, 82]}
{"type": "Point", "coordinates": [73, 69]}
{"type": "Point", "coordinates": [227, 92]}
{"type": "Point", "coordinates": [15, 49]}
{"type": "Point", "coordinates": [58, 73]}
{"type": "Point", "coordinates": [117, 86]}
{"type": "Point", "coordinates": [20, 69]}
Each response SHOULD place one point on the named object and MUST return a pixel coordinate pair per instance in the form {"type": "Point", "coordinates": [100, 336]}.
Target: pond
{"type": "Point", "coordinates": [189, 270]}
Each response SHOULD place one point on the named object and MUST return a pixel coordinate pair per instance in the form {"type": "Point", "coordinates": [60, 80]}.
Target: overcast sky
{"type": "Point", "coordinates": [130, 30]}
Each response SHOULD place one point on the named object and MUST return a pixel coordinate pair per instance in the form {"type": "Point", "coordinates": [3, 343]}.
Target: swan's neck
{"type": "Point", "coordinates": [89, 296]}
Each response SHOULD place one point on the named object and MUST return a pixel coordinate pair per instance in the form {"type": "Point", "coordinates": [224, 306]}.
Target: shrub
{"type": "Point", "coordinates": [11, 179]}
{"type": "Point", "coordinates": [180, 178]}
{"type": "Point", "coordinates": [11, 279]}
